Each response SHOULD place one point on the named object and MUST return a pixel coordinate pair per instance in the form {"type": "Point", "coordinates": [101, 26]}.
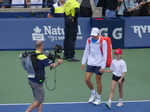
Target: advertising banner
{"type": "Point", "coordinates": [137, 32]}
{"type": "Point", "coordinates": [22, 33]}
{"type": "Point", "coordinates": [113, 28]}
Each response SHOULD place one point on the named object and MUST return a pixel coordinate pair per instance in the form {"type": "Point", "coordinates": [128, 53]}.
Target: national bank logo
{"type": "Point", "coordinates": [37, 35]}
{"type": "Point", "coordinates": [52, 33]}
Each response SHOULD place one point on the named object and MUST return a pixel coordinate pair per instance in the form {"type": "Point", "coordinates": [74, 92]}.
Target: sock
{"type": "Point", "coordinates": [93, 91]}
{"type": "Point", "coordinates": [99, 96]}
{"type": "Point", "coordinates": [120, 99]}
{"type": "Point", "coordinates": [109, 101]}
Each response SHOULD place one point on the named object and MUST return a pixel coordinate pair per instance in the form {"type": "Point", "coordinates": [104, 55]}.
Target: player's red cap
{"type": "Point", "coordinates": [118, 51]}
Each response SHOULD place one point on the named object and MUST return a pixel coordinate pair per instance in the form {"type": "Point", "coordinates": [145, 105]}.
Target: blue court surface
{"type": "Point", "coordinates": [129, 106]}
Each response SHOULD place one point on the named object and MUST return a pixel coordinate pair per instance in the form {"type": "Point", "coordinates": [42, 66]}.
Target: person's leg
{"type": "Point", "coordinates": [33, 106]}
{"type": "Point", "coordinates": [99, 84]}
{"type": "Point", "coordinates": [33, 2]}
{"type": "Point", "coordinates": [38, 93]}
{"type": "Point", "coordinates": [39, 2]}
{"type": "Point", "coordinates": [66, 40]}
{"type": "Point", "coordinates": [120, 88]}
{"type": "Point", "coordinates": [113, 86]}
{"type": "Point", "coordinates": [87, 79]}
{"type": "Point", "coordinates": [39, 108]}
{"type": "Point", "coordinates": [99, 90]}
{"type": "Point", "coordinates": [112, 89]}
{"type": "Point", "coordinates": [72, 38]}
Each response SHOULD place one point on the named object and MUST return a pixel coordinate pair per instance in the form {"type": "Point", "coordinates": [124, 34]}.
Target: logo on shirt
{"type": "Point", "coordinates": [52, 33]}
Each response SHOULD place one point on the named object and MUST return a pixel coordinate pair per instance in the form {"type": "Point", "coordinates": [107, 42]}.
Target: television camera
{"type": "Point", "coordinates": [57, 49]}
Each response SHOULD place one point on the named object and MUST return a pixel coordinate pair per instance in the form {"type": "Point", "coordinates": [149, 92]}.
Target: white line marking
{"type": "Point", "coordinates": [73, 102]}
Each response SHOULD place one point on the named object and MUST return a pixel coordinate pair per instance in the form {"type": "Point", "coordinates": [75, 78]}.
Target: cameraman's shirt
{"type": "Point", "coordinates": [42, 61]}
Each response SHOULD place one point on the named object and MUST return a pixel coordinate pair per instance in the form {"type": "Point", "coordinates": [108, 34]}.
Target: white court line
{"type": "Point", "coordinates": [73, 102]}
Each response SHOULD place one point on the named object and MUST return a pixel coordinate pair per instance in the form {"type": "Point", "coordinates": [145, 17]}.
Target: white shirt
{"type": "Point", "coordinates": [118, 67]}
{"type": "Point", "coordinates": [93, 53]}
{"type": "Point", "coordinates": [17, 1]}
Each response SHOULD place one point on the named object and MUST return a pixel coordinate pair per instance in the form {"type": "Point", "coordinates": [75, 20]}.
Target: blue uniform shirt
{"type": "Point", "coordinates": [42, 61]}
{"type": "Point", "coordinates": [57, 10]}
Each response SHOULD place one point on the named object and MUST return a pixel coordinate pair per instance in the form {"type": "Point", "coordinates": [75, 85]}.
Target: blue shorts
{"type": "Point", "coordinates": [93, 69]}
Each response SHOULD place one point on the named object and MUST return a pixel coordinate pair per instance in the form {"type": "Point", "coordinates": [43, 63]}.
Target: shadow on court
{"type": "Point", "coordinates": [141, 106]}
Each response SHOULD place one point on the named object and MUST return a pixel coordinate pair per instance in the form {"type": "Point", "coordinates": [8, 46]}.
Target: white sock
{"type": "Point", "coordinates": [120, 99]}
{"type": "Point", "coordinates": [109, 101]}
{"type": "Point", "coordinates": [98, 96]}
{"type": "Point", "coordinates": [93, 91]}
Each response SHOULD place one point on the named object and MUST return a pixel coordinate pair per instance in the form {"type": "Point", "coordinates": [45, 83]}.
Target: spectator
{"type": "Point", "coordinates": [6, 2]}
{"type": "Point", "coordinates": [145, 9]}
{"type": "Point", "coordinates": [85, 8]}
{"type": "Point", "coordinates": [1, 3]}
{"type": "Point", "coordinates": [47, 2]}
{"type": "Point", "coordinates": [129, 4]}
{"type": "Point", "coordinates": [36, 2]}
{"type": "Point", "coordinates": [57, 10]}
{"type": "Point", "coordinates": [112, 7]}
{"type": "Point", "coordinates": [19, 2]}
{"type": "Point", "coordinates": [55, 1]}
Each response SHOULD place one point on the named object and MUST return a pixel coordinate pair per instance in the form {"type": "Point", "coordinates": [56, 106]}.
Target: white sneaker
{"type": "Point", "coordinates": [108, 105]}
{"type": "Point", "coordinates": [119, 104]}
{"type": "Point", "coordinates": [97, 101]}
{"type": "Point", "coordinates": [91, 99]}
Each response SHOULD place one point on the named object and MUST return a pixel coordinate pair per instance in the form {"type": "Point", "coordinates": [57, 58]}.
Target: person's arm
{"type": "Point", "coordinates": [104, 54]}
{"type": "Point", "coordinates": [139, 5]}
{"type": "Point", "coordinates": [86, 54]}
{"type": "Point", "coordinates": [120, 80]}
{"type": "Point", "coordinates": [124, 70]}
{"type": "Point", "coordinates": [77, 11]}
{"type": "Point", "coordinates": [5, 2]}
{"type": "Point", "coordinates": [51, 12]}
{"type": "Point", "coordinates": [27, 2]}
{"type": "Point", "coordinates": [49, 15]}
{"type": "Point", "coordinates": [54, 65]}
{"type": "Point", "coordinates": [111, 68]}
{"type": "Point", "coordinates": [108, 71]}
{"type": "Point", "coordinates": [119, 4]}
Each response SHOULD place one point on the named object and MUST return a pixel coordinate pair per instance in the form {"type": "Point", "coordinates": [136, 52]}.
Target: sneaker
{"type": "Point", "coordinates": [92, 98]}
{"type": "Point", "coordinates": [97, 101]}
{"type": "Point", "coordinates": [108, 105]}
{"type": "Point", "coordinates": [73, 59]}
{"type": "Point", "coordinates": [119, 104]}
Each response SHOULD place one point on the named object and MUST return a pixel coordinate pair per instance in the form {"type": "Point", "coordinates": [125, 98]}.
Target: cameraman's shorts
{"type": "Point", "coordinates": [38, 91]}
{"type": "Point", "coordinates": [93, 69]}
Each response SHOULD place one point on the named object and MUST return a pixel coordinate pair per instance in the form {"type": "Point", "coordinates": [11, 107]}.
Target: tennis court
{"type": "Point", "coordinates": [16, 95]}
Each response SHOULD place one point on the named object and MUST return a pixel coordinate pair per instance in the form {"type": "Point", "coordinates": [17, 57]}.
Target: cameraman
{"type": "Point", "coordinates": [36, 85]}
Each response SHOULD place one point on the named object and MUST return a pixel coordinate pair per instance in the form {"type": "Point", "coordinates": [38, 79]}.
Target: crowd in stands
{"type": "Point", "coordinates": [111, 8]}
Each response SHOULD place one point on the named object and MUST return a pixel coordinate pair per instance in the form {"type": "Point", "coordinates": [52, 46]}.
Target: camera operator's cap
{"type": "Point", "coordinates": [94, 32]}
{"type": "Point", "coordinates": [118, 51]}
